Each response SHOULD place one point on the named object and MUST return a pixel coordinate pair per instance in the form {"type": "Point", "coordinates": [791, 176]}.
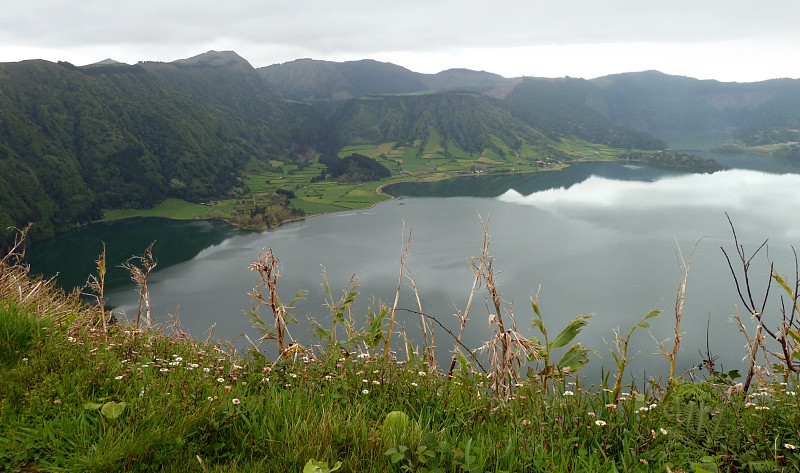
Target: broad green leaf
{"type": "Point", "coordinates": [315, 466]}
{"type": "Point", "coordinates": [321, 332]}
{"type": "Point", "coordinates": [570, 331]}
{"type": "Point", "coordinates": [575, 358]}
{"type": "Point", "coordinates": [112, 409]}
{"type": "Point", "coordinates": [92, 406]}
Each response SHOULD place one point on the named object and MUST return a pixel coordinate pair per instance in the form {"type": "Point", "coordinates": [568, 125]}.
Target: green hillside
{"type": "Point", "coordinates": [75, 140]}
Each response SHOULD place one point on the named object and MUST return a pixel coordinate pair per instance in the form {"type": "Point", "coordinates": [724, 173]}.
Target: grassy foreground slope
{"type": "Point", "coordinates": [78, 394]}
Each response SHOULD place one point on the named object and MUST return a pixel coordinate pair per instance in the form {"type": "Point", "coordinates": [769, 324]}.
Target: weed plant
{"type": "Point", "coordinates": [76, 395]}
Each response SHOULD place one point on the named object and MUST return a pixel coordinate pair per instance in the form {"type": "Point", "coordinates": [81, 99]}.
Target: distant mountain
{"type": "Point", "coordinates": [74, 140]}
{"type": "Point", "coordinates": [462, 121]}
{"type": "Point", "coordinates": [573, 107]}
{"type": "Point", "coordinates": [665, 105]}
{"type": "Point", "coordinates": [310, 80]}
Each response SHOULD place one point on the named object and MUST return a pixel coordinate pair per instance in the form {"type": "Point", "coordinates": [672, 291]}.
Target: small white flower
{"type": "Point", "coordinates": [569, 393]}
{"type": "Point", "coordinates": [365, 391]}
{"type": "Point", "coordinates": [600, 423]}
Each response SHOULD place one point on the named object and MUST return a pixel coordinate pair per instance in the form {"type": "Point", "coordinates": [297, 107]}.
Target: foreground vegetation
{"type": "Point", "coordinates": [80, 393]}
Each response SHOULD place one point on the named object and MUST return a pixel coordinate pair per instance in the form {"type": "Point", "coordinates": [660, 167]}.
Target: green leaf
{"type": "Point", "coordinates": [112, 409]}
{"type": "Point", "coordinates": [315, 466]}
{"type": "Point", "coordinates": [572, 329]}
{"type": "Point", "coordinates": [652, 314]}
{"type": "Point", "coordinates": [92, 406]}
{"type": "Point", "coordinates": [321, 332]}
{"type": "Point", "coordinates": [575, 358]}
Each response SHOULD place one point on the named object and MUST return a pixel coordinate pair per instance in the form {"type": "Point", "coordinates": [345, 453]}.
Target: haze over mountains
{"type": "Point", "coordinates": [75, 140]}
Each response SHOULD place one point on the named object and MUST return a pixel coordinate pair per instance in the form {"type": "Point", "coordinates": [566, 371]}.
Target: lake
{"type": "Point", "coordinates": [595, 238]}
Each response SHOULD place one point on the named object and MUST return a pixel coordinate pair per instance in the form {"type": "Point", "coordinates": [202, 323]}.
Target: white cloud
{"type": "Point", "coordinates": [582, 38]}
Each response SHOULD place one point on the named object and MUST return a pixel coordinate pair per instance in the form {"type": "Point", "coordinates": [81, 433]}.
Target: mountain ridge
{"type": "Point", "coordinates": [75, 140]}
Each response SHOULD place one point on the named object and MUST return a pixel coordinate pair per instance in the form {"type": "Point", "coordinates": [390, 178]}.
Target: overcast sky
{"type": "Point", "coordinates": [730, 40]}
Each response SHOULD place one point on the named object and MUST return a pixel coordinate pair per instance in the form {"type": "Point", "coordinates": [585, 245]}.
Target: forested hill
{"type": "Point", "coordinates": [604, 110]}
{"type": "Point", "coordinates": [74, 140]}
{"type": "Point", "coordinates": [665, 105]}
{"type": "Point", "coordinates": [469, 122]}
{"type": "Point", "coordinates": [312, 80]}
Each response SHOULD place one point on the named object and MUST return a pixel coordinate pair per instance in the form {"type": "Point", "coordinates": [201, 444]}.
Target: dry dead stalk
{"type": "Point", "coordinates": [139, 275]}
{"type": "Point", "coordinates": [507, 347]}
{"type": "Point", "coordinates": [267, 268]}
{"type": "Point", "coordinates": [404, 252]}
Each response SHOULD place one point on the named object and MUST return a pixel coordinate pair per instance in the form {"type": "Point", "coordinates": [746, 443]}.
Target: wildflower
{"type": "Point", "coordinates": [164, 370]}
{"type": "Point", "coordinates": [526, 422]}
{"type": "Point", "coordinates": [227, 388]}
{"type": "Point", "coordinates": [235, 401]}
{"type": "Point", "coordinates": [662, 430]}
{"type": "Point", "coordinates": [220, 380]}
{"type": "Point", "coordinates": [178, 358]}
{"type": "Point", "coordinates": [376, 382]}
{"type": "Point", "coordinates": [749, 404]}
{"type": "Point", "coordinates": [210, 398]}
{"type": "Point", "coordinates": [611, 406]}
{"type": "Point", "coordinates": [790, 393]}
{"type": "Point", "coordinates": [644, 409]}
{"type": "Point", "coordinates": [145, 365]}
{"type": "Point", "coordinates": [422, 373]}
{"type": "Point", "coordinates": [328, 377]}
{"type": "Point", "coordinates": [789, 446]}
{"type": "Point", "coordinates": [119, 377]}
{"type": "Point", "coordinates": [653, 405]}
{"type": "Point", "coordinates": [600, 423]}
{"type": "Point", "coordinates": [762, 408]}
{"type": "Point", "coordinates": [591, 414]}
{"type": "Point", "coordinates": [244, 383]}
{"type": "Point", "coordinates": [365, 391]}
{"type": "Point", "coordinates": [569, 393]}
{"type": "Point", "coordinates": [414, 384]}
{"type": "Point", "coordinates": [294, 375]}
{"type": "Point", "coordinates": [365, 381]}
{"type": "Point", "coordinates": [643, 461]}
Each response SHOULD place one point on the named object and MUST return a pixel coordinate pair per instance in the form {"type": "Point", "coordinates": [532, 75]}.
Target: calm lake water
{"type": "Point", "coordinates": [596, 238]}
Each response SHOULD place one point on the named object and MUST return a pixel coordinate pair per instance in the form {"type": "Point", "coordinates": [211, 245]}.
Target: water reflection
{"type": "Point", "coordinates": [602, 241]}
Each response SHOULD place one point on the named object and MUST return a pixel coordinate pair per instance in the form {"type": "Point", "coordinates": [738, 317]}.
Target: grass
{"type": "Point", "coordinates": [77, 397]}
{"type": "Point", "coordinates": [171, 208]}
{"type": "Point", "coordinates": [434, 159]}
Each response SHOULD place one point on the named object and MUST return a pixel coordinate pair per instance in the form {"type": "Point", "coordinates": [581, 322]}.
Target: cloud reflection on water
{"type": "Point", "coordinates": [766, 198]}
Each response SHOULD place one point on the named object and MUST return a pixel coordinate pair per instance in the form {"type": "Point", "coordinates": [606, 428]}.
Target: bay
{"type": "Point", "coordinates": [599, 238]}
